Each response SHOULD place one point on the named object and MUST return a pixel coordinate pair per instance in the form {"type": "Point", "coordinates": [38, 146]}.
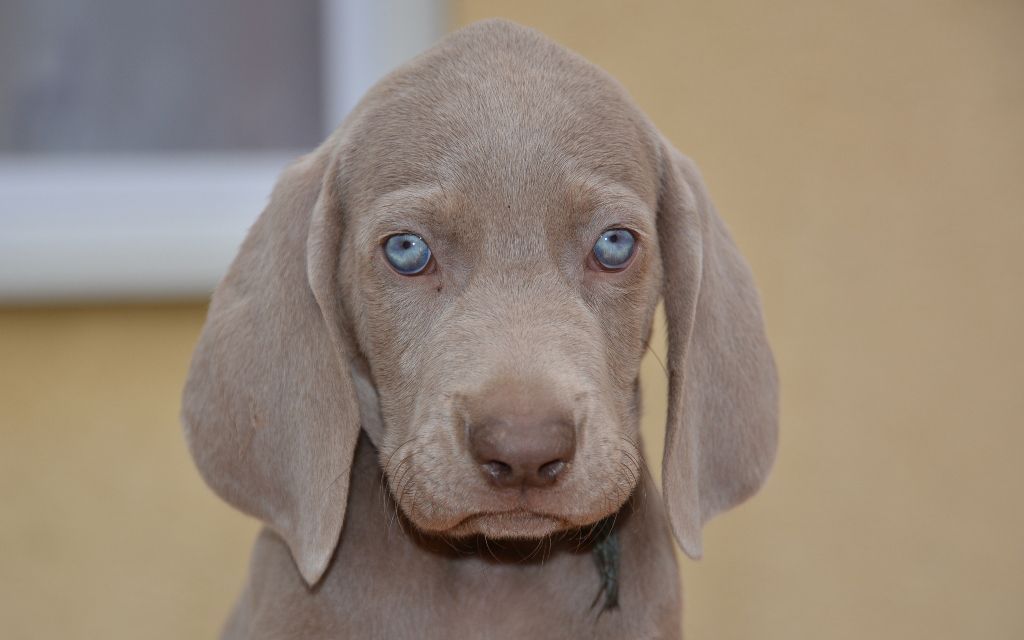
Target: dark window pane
{"type": "Point", "coordinates": [128, 75]}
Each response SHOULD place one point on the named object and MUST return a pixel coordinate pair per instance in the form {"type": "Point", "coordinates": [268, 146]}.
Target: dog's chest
{"type": "Point", "coordinates": [559, 600]}
{"type": "Point", "coordinates": [404, 598]}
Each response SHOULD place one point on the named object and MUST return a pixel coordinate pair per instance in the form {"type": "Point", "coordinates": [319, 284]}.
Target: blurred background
{"type": "Point", "coordinates": [868, 156]}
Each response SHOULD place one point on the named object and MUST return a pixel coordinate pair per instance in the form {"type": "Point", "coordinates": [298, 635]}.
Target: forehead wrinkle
{"type": "Point", "coordinates": [608, 204]}
{"type": "Point", "coordinates": [411, 208]}
{"type": "Point", "coordinates": [492, 112]}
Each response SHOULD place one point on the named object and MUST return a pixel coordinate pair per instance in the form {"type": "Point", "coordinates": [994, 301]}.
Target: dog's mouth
{"type": "Point", "coordinates": [516, 524]}
{"type": "Point", "coordinates": [518, 517]}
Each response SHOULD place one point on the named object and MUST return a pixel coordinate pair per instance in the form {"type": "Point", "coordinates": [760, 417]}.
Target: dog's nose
{"type": "Point", "coordinates": [523, 450]}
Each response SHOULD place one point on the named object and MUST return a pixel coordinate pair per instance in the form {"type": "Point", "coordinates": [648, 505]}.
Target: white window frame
{"type": "Point", "coordinates": [164, 226]}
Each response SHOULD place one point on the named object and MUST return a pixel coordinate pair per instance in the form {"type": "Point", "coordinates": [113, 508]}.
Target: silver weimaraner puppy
{"type": "Point", "coordinates": [421, 370]}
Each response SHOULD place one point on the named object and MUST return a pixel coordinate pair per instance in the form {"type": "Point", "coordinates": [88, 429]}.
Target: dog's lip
{"type": "Point", "coordinates": [518, 513]}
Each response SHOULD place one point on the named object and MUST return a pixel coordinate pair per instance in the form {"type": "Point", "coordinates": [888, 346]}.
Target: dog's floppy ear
{"type": "Point", "coordinates": [723, 394]}
{"type": "Point", "coordinates": [269, 410]}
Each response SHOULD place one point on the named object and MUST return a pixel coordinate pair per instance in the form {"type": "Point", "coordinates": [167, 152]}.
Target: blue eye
{"type": "Point", "coordinates": [407, 253]}
{"type": "Point", "coordinates": [614, 248]}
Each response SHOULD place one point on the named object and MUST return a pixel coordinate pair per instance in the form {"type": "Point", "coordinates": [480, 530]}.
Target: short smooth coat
{"type": "Point", "coordinates": [332, 397]}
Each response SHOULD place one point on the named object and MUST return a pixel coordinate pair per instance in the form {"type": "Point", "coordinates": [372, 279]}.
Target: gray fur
{"type": "Point", "coordinates": [331, 397]}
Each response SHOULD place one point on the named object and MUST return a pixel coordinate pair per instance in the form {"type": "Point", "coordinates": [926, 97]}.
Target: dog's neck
{"type": "Point", "coordinates": [462, 587]}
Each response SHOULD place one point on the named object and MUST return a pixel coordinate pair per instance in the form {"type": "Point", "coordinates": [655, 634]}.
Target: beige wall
{"type": "Point", "coordinates": [869, 157]}
{"type": "Point", "coordinates": [106, 531]}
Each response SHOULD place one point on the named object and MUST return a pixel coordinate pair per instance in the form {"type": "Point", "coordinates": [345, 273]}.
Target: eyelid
{"type": "Point", "coordinates": [638, 236]}
{"type": "Point", "coordinates": [637, 228]}
{"type": "Point", "coordinates": [637, 220]}
{"type": "Point", "coordinates": [383, 239]}
{"type": "Point", "coordinates": [618, 227]}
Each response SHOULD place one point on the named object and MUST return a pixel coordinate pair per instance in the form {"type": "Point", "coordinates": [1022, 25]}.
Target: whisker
{"type": "Point", "coordinates": [384, 492]}
{"type": "Point", "coordinates": [400, 483]}
{"type": "Point", "coordinates": [487, 544]}
{"type": "Point", "coordinates": [664, 369]}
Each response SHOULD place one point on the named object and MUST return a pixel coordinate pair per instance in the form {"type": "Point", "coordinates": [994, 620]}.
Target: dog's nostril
{"type": "Point", "coordinates": [550, 470]}
{"type": "Point", "coordinates": [522, 450]}
{"type": "Point", "coordinates": [497, 469]}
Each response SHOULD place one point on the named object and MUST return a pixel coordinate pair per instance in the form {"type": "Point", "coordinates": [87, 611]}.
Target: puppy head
{"type": "Point", "coordinates": [480, 249]}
